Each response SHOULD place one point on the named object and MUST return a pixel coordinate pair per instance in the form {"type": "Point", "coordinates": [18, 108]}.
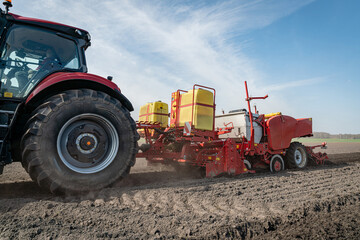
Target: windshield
{"type": "Point", "coordinates": [30, 54]}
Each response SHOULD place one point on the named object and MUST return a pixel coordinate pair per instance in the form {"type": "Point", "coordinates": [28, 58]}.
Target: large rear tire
{"type": "Point", "coordinates": [79, 141]}
{"type": "Point", "coordinates": [296, 156]}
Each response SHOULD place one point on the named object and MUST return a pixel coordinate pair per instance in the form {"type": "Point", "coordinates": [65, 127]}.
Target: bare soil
{"type": "Point", "coordinates": [156, 202]}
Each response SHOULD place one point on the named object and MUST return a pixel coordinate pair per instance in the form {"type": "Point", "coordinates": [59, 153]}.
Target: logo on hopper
{"type": "Point", "coordinates": [187, 129]}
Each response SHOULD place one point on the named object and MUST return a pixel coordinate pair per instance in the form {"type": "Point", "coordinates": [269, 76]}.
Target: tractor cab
{"type": "Point", "coordinates": [32, 49]}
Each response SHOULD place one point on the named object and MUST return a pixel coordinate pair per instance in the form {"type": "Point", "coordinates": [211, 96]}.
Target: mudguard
{"type": "Point", "coordinates": [70, 77]}
{"type": "Point", "coordinates": [282, 129]}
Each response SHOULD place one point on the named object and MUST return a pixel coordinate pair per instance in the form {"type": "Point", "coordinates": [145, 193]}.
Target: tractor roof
{"type": "Point", "coordinates": [72, 31]}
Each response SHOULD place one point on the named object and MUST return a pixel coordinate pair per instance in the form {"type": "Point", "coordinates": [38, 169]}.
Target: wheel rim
{"type": "Point", "coordinates": [247, 164]}
{"type": "Point", "coordinates": [277, 166]}
{"type": "Point", "coordinates": [276, 163]}
{"type": "Point", "coordinates": [87, 143]}
{"type": "Point", "coordinates": [300, 157]}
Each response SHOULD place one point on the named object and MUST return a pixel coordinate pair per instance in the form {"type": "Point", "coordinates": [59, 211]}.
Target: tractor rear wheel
{"type": "Point", "coordinates": [79, 141]}
{"type": "Point", "coordinates": [296, 156]}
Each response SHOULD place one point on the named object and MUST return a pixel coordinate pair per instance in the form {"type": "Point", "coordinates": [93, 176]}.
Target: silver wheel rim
{"type": "Point", "coordinates": [300, 157]}
{"type": "Point", "coordinates": [273, 158]}
{"type": "Point", "coordinates": [247, 164]}
{"type": "Point", "coordinates": [112, 142]}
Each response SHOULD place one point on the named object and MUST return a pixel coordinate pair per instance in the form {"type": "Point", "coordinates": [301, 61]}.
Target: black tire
{"type": "Point", "coordinates": [296, 156]}
{"type": "Point", "coordinates": [247, 164]}
{"type": "Point", "coordinates": [16, 151]}
{"type": "Point", "coordinates": [277, 164]}
{"type": "Point", "coordinates": [79, 141]}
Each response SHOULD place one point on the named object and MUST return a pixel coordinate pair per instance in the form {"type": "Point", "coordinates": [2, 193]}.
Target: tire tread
{"type": "Point", "coordinates": [290, 155]}
{"type": "Point", "coordinates": [30, 141]}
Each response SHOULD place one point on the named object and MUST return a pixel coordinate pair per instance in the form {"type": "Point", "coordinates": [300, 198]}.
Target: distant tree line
{"type": "Point", "coordinates": [337, 136]}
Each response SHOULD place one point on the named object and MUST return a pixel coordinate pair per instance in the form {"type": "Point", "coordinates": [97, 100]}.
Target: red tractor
{"type": "Point", "coordinates": [71, 130]}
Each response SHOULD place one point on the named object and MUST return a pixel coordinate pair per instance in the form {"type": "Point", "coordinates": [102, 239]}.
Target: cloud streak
{"type": "Point", "coordinates": [294, 84]}
{"type": "Point", "coordinates": [155, 47]}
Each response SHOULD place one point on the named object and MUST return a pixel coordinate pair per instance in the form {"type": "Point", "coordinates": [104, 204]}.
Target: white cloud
{"type": "Point", "coordinates": [293, 84]}
{"type": "Point", "coordinates": [152, 48]}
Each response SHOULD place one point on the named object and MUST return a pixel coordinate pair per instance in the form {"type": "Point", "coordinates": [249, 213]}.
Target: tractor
{"type": "Point", "coordinates": [71, 130]}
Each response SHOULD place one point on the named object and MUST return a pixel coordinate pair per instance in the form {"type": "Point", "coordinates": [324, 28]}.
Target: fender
{"type": "Point", "coordinates": [281, 129]}
{"type": "Point", "coordinates": [62, 77]}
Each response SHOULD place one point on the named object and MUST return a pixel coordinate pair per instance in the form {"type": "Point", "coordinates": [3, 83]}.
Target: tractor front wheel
{"type": "Point", "coordinates": [79, 141]}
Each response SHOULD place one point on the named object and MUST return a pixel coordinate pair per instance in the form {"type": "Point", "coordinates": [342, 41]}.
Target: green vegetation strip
{"type": "Point", "coordinates": [328, 140]}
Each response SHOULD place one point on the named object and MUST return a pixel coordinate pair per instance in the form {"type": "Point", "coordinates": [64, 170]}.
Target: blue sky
{"type": "Point", "coordinates": [304, 54]}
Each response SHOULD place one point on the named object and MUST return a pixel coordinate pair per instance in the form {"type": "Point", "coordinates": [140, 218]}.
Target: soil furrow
{"type": "Point", "coordinates": [320, 202]}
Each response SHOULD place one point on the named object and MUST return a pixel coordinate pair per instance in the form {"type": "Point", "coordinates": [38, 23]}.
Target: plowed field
{"type": "Point", "coordinates": [320, 202]}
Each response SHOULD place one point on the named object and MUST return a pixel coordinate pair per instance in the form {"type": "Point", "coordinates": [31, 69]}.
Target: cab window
{"type": "Point", "coordinates": [30, 54]}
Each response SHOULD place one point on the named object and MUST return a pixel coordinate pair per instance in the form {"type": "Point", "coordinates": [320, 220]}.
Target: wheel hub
{"type": "Point", "coordinates": [298, 157]}
{"type": "Point", "coordinates": [276, 163]}
{"type": "Point", "coordinates": [86, 143]}
{"type": "Point", "coordinates": [277, 166]}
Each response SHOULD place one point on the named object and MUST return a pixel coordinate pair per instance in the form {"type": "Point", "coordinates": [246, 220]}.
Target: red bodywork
{"type": "Point", "coordinates": [35, 20]}
{"type": "Point", "coordinates": [61, 77]}
{"type": "Point", "coordinates": [282, 129]}
{"type": "Point", "coordinates": [204, 148]}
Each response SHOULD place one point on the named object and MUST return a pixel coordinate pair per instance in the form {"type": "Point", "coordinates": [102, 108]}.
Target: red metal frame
{"type": "Point", "coordinates": [248, 99]}
{"type": "Point", "coordinates": [319, 157]}
{"type": "Point", "coordinates": [175, 108]}
{"type": "Point", "coordinates": [204, 148]}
